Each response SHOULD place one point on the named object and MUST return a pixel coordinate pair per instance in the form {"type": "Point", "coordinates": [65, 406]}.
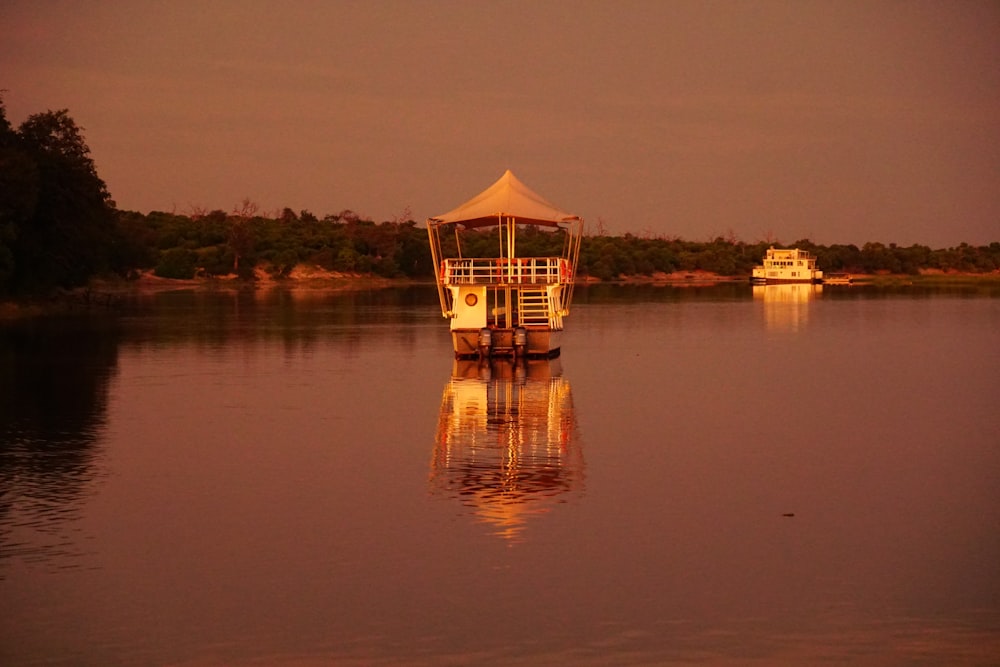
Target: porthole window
{"type": "Point", "coordinates": [471, 300]}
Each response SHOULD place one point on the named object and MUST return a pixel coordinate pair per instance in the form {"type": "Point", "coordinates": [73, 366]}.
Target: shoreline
{"type": "Point", "coordinates": [106, 292]}
{"type": "Point", "coordinates": [695, 278]}
{"type": "Point", "coordinates": [322, 280]}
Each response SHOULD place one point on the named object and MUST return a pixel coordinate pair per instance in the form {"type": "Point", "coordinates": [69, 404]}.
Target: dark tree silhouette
{"type": "Point", "coordinates": [57, 219]}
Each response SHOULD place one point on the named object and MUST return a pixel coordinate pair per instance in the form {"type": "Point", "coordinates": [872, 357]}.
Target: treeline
{"type": "Point", "coordinates": [219, 243]}
{"type": "Point", "coordinates": [58, 224]}
{"type": "Point", "coordinates": [608, 257]}
{"type": "Point", "coordinates": [59, 228]}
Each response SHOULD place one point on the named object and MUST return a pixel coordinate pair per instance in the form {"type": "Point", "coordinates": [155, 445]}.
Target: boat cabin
{"type": "Point", "coordinates": [786, 265]}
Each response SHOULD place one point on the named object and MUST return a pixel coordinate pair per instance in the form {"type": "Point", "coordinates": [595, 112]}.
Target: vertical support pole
{"type": "Point", "coordinates": [508, 307]}
{"type": "Point", "coordinates": [433, 234]}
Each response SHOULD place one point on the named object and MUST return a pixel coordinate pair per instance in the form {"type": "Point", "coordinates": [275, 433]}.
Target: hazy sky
{"type": "Point", "coordinates": [840, 121]}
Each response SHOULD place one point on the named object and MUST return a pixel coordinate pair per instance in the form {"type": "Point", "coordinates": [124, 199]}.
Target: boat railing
{"type": "Point", "coordinates": [788, 254]}
{"type": "Point", "coordinates": [501, 270]}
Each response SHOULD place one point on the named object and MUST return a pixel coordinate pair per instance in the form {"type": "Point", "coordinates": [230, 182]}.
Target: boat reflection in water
{"type": "Point", "coordinates": [786, 306]}
{"type": "Point", "coordinates": [507, 445]}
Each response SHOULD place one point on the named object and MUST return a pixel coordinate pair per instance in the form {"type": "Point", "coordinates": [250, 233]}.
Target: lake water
{"type": "Point", "coordinates": [707, 475]}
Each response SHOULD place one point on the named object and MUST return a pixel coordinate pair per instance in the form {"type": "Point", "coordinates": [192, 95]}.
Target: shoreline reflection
{"type": "Point", "coordinates": [54, 378]}
{"type": "Point", "coordinates": [507, 444]}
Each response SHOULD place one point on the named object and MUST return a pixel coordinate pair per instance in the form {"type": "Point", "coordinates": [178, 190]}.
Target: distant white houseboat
{"type": "Point", "coordinates": [786, 266]}
{"type": "Point", "coordinates": [501, 302]}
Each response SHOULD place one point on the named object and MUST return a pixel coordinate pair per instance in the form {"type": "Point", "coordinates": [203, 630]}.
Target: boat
{"type": "Point", "coordinates": [837, 279]}
{"type": "Point", "coordinates": [500, 301]}
{"type": "Point", "coordinates": [786, 265]}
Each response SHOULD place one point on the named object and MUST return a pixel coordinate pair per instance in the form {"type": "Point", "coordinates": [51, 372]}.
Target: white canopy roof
{"type": "Point", "coordinates": [508, 197]}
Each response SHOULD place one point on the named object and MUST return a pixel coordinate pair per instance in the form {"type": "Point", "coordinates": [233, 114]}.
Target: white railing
{"type": "Point", "coordinates": [492, 271]}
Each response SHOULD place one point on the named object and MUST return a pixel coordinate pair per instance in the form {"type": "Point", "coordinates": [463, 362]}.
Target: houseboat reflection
{"type": "Point", "coordinates": [786, 306]}
{"type": "Point", "coordinates": [507, 445]}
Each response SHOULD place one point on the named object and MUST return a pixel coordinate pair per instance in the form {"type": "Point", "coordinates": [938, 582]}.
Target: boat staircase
{"type": "Point", "coordinates": [535, 308]}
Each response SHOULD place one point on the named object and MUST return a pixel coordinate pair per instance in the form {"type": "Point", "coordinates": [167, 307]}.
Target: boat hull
{"type": "Point", "coordinates": [785, 281]}
{"type": "Point", "coordinates": [538, 343]}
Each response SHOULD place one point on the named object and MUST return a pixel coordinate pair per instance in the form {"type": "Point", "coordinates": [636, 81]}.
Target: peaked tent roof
{"type": "Point", "coordinates": [508, 197]}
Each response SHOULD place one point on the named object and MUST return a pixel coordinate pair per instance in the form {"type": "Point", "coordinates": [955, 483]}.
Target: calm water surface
{"type": "Point", "coordinates": [706, 476]}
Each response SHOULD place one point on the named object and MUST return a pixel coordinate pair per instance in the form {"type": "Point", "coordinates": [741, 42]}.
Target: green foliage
{"type": "Point", "coordinates": [215, 260]}
{"type": "Point", "coordinates": [177, 263]}
{"type": "Point", "coordinates": [57, 220]}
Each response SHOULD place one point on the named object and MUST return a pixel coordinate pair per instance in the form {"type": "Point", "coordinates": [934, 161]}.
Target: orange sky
{"type": "Point", "coordinates": [840, 121]}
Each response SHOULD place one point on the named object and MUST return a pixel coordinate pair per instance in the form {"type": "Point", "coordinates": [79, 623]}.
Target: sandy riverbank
{"type": "Point", "coordinates": [300, 278]}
